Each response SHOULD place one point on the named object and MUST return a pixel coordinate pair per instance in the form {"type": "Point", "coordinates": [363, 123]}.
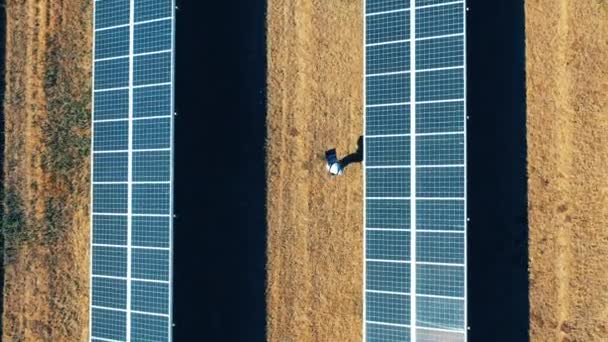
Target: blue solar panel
{"type": "Point", "coordinates": [151, 101]}
{"type": "Point", "coordinates": [112, 43]}
{"type": "Point", "coordinates": [110, 105]}
{"type": "Point", "coordinates": [132, 171]}
{"type": "Point", "coordinates": [387, 213]}
{"type": "Point", "coordinates": [415, 171]}
{"type": "Point", "coordinates": [110, 230]}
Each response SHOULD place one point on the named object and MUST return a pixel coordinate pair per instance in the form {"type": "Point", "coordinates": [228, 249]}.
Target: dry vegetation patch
{"type": "Point", "coordinates": [314, 290]}
{"type": "Point", "coordinates": [567, 85]}
{"type": "Point", "coordinates": [46, 175]}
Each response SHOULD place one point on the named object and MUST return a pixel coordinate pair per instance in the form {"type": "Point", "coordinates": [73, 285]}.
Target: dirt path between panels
{"type": "Point", "coordinates": [567, 68]}
{"type": "Point", "coordinates": [46, 175]}
{"type": "Point", "coordinates": [314, 221]}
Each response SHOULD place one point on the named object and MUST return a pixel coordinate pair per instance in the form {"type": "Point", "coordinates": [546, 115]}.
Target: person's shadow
{"type": "Point", "coordinates": [356, 157]}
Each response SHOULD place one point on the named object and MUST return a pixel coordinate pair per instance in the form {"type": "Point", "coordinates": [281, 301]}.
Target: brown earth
{"type": "Point", "coordinates": [315, 222]}
{"type": "Point", "coordinates": [46, 178]}
{"type": "Point", "coordinates": [567, 86]}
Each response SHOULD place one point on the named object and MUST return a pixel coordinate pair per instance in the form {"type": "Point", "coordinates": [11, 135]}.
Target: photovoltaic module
{"type": "Point", "coordinates": [132, 171]}
{"type": "Point", "coordinates": [415, 171]}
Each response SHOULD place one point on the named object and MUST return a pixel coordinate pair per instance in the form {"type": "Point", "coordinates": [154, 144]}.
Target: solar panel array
{"type": "Point", "coordinates": [415, 171]}
{"type": "Point", "coordinates": [132, 171]}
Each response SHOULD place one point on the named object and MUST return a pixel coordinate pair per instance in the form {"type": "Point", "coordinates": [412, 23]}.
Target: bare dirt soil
{"type": "Point", "coordinates": [315, 244]}
{"type": "Point", "coordinates": [567, 86]}
{"type": "Point", "coordinates": [46, 177]}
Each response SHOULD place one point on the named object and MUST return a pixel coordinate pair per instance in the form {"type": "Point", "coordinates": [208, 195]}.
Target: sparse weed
{"type": "Point", "coordinates": [14, 228]}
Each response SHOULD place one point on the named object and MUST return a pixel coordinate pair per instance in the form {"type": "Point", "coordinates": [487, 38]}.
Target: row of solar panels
{"type": "Point", "coordinates": [415, 173]}
{"type": "Point", "coordinates": [132, 166]}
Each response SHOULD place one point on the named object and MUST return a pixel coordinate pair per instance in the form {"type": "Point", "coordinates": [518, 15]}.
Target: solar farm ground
{"type": "Point", "coordinates": [314, 288]}
{"type": "Point", "coordinates": [567, 87]}
{"type": "Point", "coordinates": [46, 172]}
{"type": "Point", "coordinates": [314, 221]}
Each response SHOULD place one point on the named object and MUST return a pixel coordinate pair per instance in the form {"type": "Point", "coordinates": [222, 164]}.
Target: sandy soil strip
{"type": "Point", "coordinates": [315, 222]}
{"type": "Point", "coordinates": [567, 68]}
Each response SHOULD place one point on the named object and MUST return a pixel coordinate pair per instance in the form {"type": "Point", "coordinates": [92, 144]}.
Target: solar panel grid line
{"type": "Point", "coordinates": [388, 104]}
{"type": "Point", "coordinates": [441, 231]}
{"type": "Point", "coordinates": [110, 27]}
{"type": "Point", "coordinates": [387, 12]}
{"type": "Point", "coordinates": [442, 330]}
{"type": "Point", "coordinates": [151, 85]}
{"type": "Point", "coordinates": [134, 279]}
{"type": "Point", "coordinates": [465, 185]}
{"type": "Point", "coordinates": [134, 215]}
{"type": "Point", "coordinates": [130, 169]}
{"type": "Point", "coordinates": [389, 324]}
{"type": "Point", "coordinates": [136, 247]}
{"type": "Point", "coordinates": [110, 58]}
{"type": "Point", "coordinates": [413, 98]}
{"type": "Point", "coordinates": [438, 263]}
{"type": "Point", "coordinates": [125, 182]}
{"type": "Point", "coordinates": [440, 297]}
{"type": "Point", "coordinates": [151, 281]}
{"type": "Point", "coordinates": [440, 4]}
{"type": "Point", "coordinates": [129, 311]}
{"type": "Point", "coordinates": [149, 313]}
{"type": "Point", "coordinates": [141, 22]}
{"type": "Point", "coordinates": [389, 261]}
{"type": "Point", "coordinates": [134, 150]}
{"type": "Point", "coordinates": [398, 41]}
{"type": "Point", "coordinates": [135, 55]}
{"type": "Point", "coordinates": [439, 166]}
{"type": "Point", "coordinates": [171, 171]}
{"type": "Point", "coordinates": [133, 87]}
{"type": "Point", "coordinates": [387, 229]}
{"type": "Point", "coordinates": [389, 292]}
{"type": "Point", "coordinates": [416, 294]}
{"type": "Point", "coordinates": [101, 339]}
{"type": "Point", "coordinates": [386, 135]}
{"type": "Point", "coordinates": [389, 42]}
{"type": "Point", "coordinates": [388, 73]}
{"type": "Point", "coordinates": [388, 167]}
{"type": "Point", "coordinates": [136, 23]}
{"type": "Point", "coordinates": [108, 308]}
{"type": "Point", "coordinates": [457, 67]}
{"type": "Point", "coordinates": [439, 133]}
{"type": "Point", "coordinates": [417, 262]}
{"type": "Point", "coordinates": [441, 101]}
{"type": "Point", "coordinates": [448, 35]}
{"type": "Point", "coordinates": [408, 8]}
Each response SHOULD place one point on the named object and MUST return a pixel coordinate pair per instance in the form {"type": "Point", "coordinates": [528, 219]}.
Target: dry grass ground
{"type": "Point", "coordinates": [46, 176]}
{"type": "Point", "coordinates": [315, 222]}
{"type": "Point", "coordinates": [567, 85]}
